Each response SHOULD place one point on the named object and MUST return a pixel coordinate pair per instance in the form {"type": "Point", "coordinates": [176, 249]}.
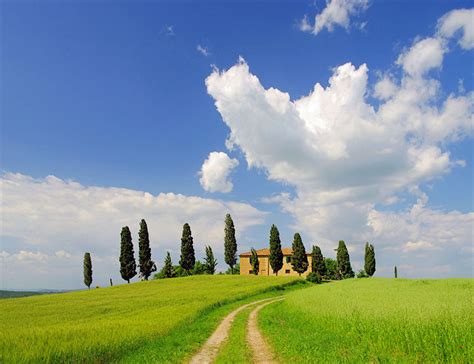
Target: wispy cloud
{"type": "Point", "coordinates": [203, 50]}
{"type": "Point", "coordinates": [168, 30]}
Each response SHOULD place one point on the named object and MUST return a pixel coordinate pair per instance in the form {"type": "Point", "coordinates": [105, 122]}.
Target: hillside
{"type": "Point", "coordinates": [107, 323]}
{"type": "Point", "coordinates": [374, 320]}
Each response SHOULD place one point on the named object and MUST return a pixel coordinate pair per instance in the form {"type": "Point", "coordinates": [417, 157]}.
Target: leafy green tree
{"type": "Point", "coordinates": [362, 274]}
{"type": "Point", "coordinates": [276, 255]}
{"type": "Point", "coordinates": [199, 268]}
{"type": "Point", "coordinates": [254, 262]}
{"type": "Point", "coordinates": [230, 244]}
{"type": "Point", "coordinates": [128, 267]}
{"type": "Point", "coordinates": [209, 261]}
{"type": "Point", "coordinates": [395, 272]}
{"type": "Point", "coordinates": [331, 269]}
{"type": "Point", "coordinates": [146, 265]}
{"type": "Point", "coordinates": [299, 260]}
{"type": "Point", "coordinates": [87, 270]}
{"type": "Point", "coordinates": [187, 250]}
{"type": "Point", "coordinates": [317, 261]}
{"type": "Point", "coordinates": [343, 261]}
{"type": "Point", "coordinates": [369, 259]}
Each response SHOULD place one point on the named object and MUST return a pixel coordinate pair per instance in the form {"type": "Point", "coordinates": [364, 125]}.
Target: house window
{"type": "Point", "coordinates": [288, 259]}
{"type": "Point", "coordinates": [287, 271]}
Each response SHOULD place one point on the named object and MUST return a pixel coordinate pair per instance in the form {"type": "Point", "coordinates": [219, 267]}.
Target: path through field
{"type": "Point", "coordinates": [262, 353]}
{"type": "Point", "coordinates": [210, 349]}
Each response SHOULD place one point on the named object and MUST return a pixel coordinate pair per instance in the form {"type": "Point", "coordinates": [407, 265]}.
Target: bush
{"type": "Point", "coordinates": [362, 274]}
{"type": "Point", "coordinates": [236, 269]}
{"type": "Point", "coordinates": [199, 268]}
{"type": "Point", "coordinates": [314, 277]}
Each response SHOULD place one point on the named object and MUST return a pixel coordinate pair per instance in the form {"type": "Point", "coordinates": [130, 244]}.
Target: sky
{"type": "Point", "coordinates": [340, 119]}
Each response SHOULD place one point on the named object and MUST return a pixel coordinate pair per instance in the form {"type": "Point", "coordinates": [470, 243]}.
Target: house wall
{"type": "Point", "coordinates": [265, 269]}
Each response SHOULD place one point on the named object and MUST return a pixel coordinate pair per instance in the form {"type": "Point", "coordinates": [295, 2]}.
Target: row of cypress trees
{"type": "Point", "coordinates": [128, 267]}
{"type": "Point", "coordinates": [299, 259]}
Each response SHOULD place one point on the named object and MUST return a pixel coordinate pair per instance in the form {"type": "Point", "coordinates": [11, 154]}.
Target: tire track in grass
{"type": "Point", "coordinates": [210, 349]}
{"type": "Point", "coordinates": [261, 351]}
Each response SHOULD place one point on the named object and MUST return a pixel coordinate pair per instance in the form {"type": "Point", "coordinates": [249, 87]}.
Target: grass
{"type": "Point", "coordinates": [374, 321]}
{"type": "Point", "coordinates": [111, 324]}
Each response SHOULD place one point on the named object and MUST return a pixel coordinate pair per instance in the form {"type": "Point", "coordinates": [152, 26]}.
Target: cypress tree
{"type": "Point", "coordinates": [369, 265]}
{"type": "Point", "coordinates": [299, 260]}
{"type": "Point", "coordinates": [317, 261]}
{"type": "Point", "coordinates": [230, 244]}
{"type": "Point", "coordinates": [210, 261]}
{"type": "Point", "coordinates": [343, 261]}
{"type": "Point", "coordinates": [147, 266]}
{"type": "Point", "coordinates": [128, 267]}
{"type": "Point", "coordinates": [395, 272]}
{"type": "Point", "coordinates": [254, 262]}
{"type": "Point", "coordinates": [168, 270]}
{"type": "Point", "coordinates": [276, 255]}
{"type": "Point", "coordinates": [187, 249]}
{"type": "Point", "coordinates": [87, 270]}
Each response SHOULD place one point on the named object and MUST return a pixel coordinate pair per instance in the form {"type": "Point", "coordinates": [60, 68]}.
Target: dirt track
{"type": "Point", "coordinates": [211, 347]}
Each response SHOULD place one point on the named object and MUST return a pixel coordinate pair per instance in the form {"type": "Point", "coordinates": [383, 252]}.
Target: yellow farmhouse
{"type": "Point", "coordinates": [265, 269]}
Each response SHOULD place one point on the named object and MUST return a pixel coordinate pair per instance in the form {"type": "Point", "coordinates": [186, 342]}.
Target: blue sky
{"type": "Point", "coordinates": [114, 95]}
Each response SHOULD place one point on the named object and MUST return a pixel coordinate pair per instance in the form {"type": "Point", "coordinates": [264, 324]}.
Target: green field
{"type": "Point", "coordinates": [123, 323]}
{"type": "Point", "coordinates": [374, 320]}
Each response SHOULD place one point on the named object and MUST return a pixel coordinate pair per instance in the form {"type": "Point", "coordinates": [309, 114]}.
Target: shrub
{"type": "Point", "coordinates": [314, 277]}
{"type": "Point", "coordinates": [332, 272]}
{"type": "Point", "coordinates": [362, 274]}
{"type": "Point", "coordinates": [235, 270]}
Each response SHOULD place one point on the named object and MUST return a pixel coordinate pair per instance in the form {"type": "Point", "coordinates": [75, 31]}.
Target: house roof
{"type": "Point", "coordinates": [266, 252]}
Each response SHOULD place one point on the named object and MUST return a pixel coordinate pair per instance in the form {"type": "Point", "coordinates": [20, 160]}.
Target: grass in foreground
{"type": "Point", "coordinates": [374, 320]}
{"type": "Point", "coordinates": [105, 324]}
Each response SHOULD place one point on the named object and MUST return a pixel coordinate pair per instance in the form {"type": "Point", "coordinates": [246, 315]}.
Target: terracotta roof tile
{"type": "Point", "coordinates": [266, 252]}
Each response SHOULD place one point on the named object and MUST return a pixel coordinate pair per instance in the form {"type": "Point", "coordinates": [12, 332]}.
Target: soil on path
{"type": "Point", "coordinates": [261, 351]}
{"type": "Point", "coordinates": [208, 352]}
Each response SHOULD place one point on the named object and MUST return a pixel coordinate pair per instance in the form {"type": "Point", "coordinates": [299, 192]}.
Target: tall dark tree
{"type": "Point", "coordinates": [146, 265]}
{"type": "Point", "coordinates": [209, 261]}
{"type": "Point", "coordinates": [317, 261]}
{"type": "Point", "coordinates": [87, 270]}
{"type": "Point", "coordinates": [168, 271]}
{"type": "Point", "coordinates": [299, 260]}
{"type": "Point", "coordinates": [395, 272]}
{"type": "Point", "coordinates": [276, 255]}
{"type": "Point", "coordinates": [187, 250]}
{"type": "Point", "coordinates": [230, 244]}
{"type": "Point", "coordinates": [343, 261]}
{"type": "Point", "coordinates": [128, 267]}
{"type": "Point", "coordinates": [369, 265]}
{"type": "Point", "coordinates": [254, 262]}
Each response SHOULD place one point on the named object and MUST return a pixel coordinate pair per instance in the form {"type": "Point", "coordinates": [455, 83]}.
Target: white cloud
{"type": "Point", "coordinates": [460, 20]}
{"type": "Point", "coordinates": [215, 172]}
{"type": "Point", "coordinates": [342, 155]}
{"type": "Point", "coordinates": [53, 219]}
{"type": "Point", "coordinates": [424, 55]}
{"type": "Point", "coordinates": [203, 50]}
{"type": "Point", "coordinates": [336, 13]}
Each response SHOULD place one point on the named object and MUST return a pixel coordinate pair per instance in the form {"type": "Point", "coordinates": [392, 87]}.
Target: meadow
{"type": "Point", "coordinates": [115, 323]}
{"type": "Point", "coordinates": [374, 320]}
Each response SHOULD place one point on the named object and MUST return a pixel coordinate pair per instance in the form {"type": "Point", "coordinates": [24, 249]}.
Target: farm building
{"type": "Point", "coordinates": [264, 259]}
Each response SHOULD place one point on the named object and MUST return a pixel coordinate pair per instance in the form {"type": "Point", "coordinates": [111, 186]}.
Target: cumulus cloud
{"type": "Point", "coordinates": [215, 172]}
{"type": "Point", "coordinates": [460, 20]}
{"type": "Point", "coordinates": [336, 13]}
{"type": "Point", "coordinates": [343, 155]}
{"type": "Point", "coordinates": [53, 219]}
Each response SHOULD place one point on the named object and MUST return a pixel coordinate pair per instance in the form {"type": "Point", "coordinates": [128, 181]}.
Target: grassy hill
{"type": "Point", "coordinates": [111, 324]}
{"type": "Point", "coordinates": [374, 320]}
